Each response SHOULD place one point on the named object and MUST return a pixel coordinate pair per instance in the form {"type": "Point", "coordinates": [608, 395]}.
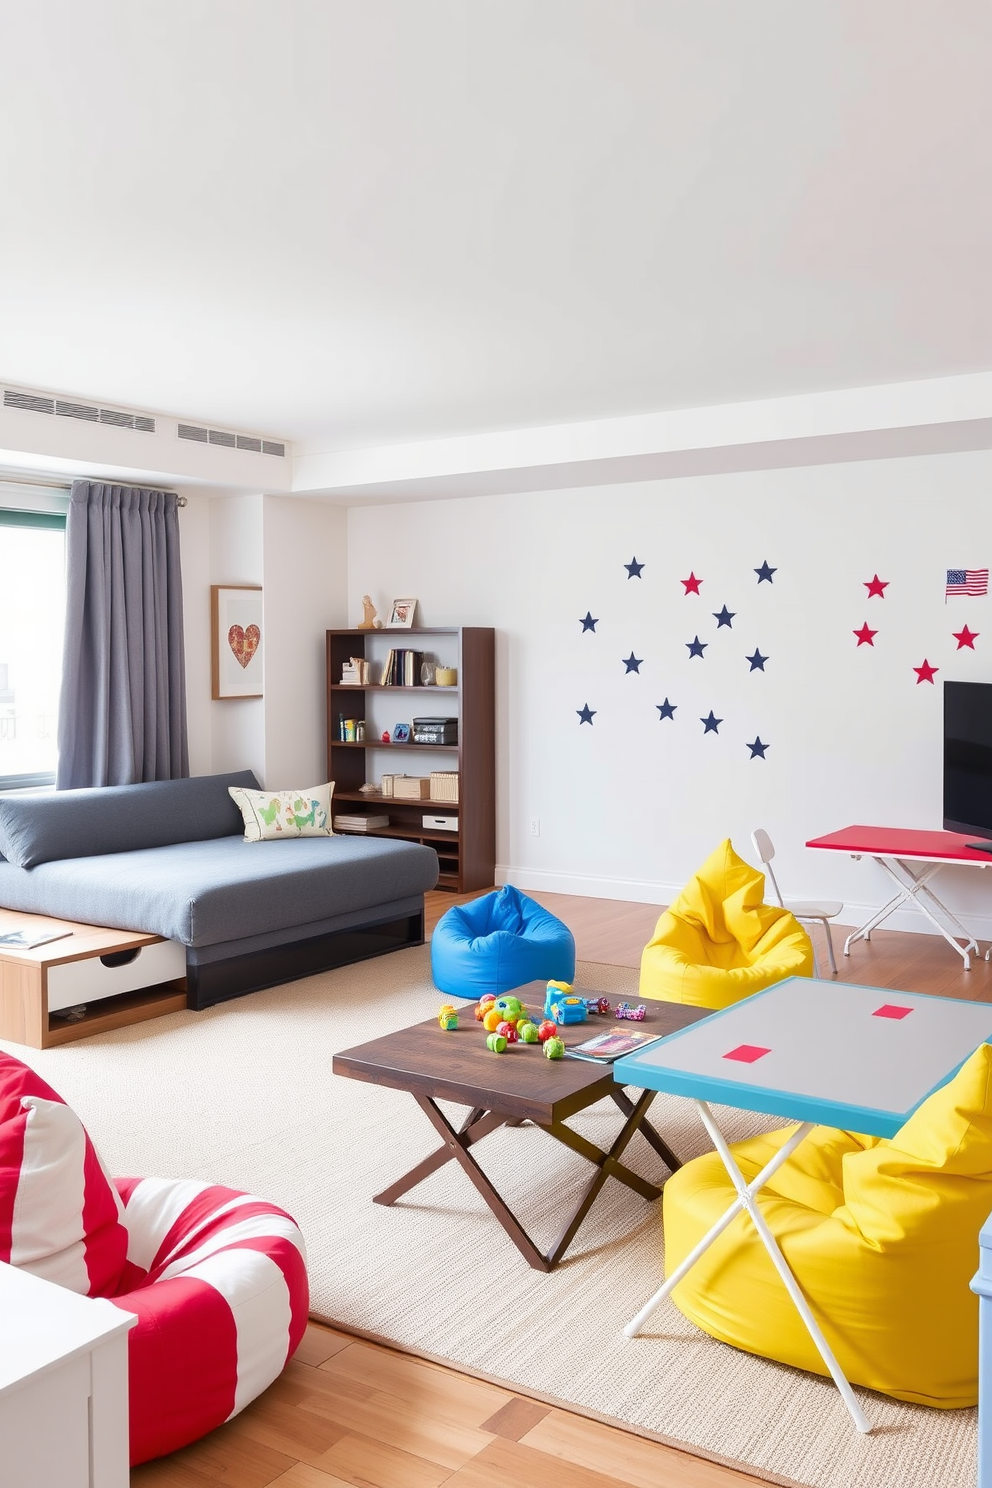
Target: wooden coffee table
{"type": "Point", "coordinates": [507, 1090]}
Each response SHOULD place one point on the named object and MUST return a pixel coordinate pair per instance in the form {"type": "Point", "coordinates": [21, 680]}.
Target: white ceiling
{"type": "Point", "coordinates": [362, 222]}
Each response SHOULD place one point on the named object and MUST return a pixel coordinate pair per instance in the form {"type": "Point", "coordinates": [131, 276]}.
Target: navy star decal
{"type": "Point", "coordinates": [633, 569]}
{"type": "Point", "coordinates": [724, 617]}
{"type": "Point", "coordinates": [697, 647]}
{"type": "Point", "coordinates": [765, 573]}
{"type": "Point", "coordinates": [588, 623]}
{"type": "Point", "coordinates": [666, 710]}
{"type": "Point", "coordinates": [711, 725]}
{"type": "Point", "coordinates": [586, 714]}
{"type": "Point", "coordinates": [632, 663]}
{"type": "Point", "coordinates": [757, 748]}
{"type": "Point", "coordinates": [757, 661]}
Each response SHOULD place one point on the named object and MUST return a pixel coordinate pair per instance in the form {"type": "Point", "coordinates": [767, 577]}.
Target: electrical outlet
{"type": "Point", "coordinates": [535, 826]}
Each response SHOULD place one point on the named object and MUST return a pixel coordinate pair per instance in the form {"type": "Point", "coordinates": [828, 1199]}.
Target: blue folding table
{"type": "Point", "coordinates": [816, 1052]}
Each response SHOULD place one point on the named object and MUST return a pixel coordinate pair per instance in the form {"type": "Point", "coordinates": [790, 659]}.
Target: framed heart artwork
{"type": "Point", "coordinates": [236, 641]}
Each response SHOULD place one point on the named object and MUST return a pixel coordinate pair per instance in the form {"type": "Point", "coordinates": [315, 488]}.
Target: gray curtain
{"type": "Point", "coordinates": [122, 714]}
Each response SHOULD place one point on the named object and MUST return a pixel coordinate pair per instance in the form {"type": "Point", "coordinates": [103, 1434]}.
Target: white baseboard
{"type": "Point", "coordinates": [641, 891]}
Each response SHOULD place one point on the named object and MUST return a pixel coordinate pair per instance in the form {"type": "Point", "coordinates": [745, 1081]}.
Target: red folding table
{"type": "Point", "coordinates": [899, 852]}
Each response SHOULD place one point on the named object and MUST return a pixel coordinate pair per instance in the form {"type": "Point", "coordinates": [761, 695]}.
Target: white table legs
{"type": "Point", "coordinates": [913, 889]}
{"type": "Point", "coordinates": [746, 1201]}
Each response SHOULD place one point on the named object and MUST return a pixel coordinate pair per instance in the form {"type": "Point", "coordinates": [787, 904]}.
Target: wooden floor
{"type": "Point", "coordinates": [351, 1412]}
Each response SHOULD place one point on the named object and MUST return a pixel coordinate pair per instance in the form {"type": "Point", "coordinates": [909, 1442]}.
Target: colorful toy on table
{"type": "Point", "coordinates": [496, 1042]}
{"type": "Point", "coordinates": [492, 1019]}
{"type": "Point", "coordinates": [448, 1017]}
{"type": "Point", "coordinates": [484, 1004]}
{"type": "Point", "coordinates": [511, 1008]}
{"type": "Point", "coordinates": [597, 1004]}
{"type": "Point", "coordinates": [527, 1032]}
{"type": "Point", "coordinates": [554, 1048]}
{"type": "Point", "coordinates": [635, 1014]}
{"type": "Point", "coordinates": [547, 1030]}
{"type": "Point", "coordinates": [561, 1004]}
{"type": "Point", "coordinates": [508, 1031]}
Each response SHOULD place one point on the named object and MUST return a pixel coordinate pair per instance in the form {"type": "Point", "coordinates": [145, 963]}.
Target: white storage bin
{"type": "Point", "coordinates": [91, 979]}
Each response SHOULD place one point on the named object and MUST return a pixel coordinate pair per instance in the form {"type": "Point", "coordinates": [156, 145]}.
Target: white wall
{"type": "Point", "coordinates": [296, 550]}
{"type": "Point", "coordinates": [305, 561]}
{"type": "Point", "coordinates": [630, 805]}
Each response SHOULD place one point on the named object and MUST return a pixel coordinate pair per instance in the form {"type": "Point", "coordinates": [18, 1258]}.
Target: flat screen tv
{"type": "Point", "coordinates": [968, 758]}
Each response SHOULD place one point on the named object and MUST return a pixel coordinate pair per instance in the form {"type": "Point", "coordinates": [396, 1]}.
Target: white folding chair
{"type": "Point", "coordinates": [805, 910]}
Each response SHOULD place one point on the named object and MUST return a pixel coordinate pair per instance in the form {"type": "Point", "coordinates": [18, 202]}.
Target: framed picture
{"type": "Point", "coordinates": [401, 733]}
{"type": "Point", "coordinates": [402, 614]}
{"type": "Point", "coordinates": [235, 641]}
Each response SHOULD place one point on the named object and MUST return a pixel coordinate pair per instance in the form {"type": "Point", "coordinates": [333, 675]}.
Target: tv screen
{"type": "Point", "coordinates": [968, 757]}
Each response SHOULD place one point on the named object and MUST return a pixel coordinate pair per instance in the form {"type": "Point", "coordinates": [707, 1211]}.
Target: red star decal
{"type": "Point", "coordinates": [965, 637]}
{"type": "Point", "coordinates": [691, 584]}
{"type": "Point", "coordinates": [925, 673]}
{"type": "Point", "coordinates": [876, 586]}
{"type": "Point", "coordinates": [866, 636]}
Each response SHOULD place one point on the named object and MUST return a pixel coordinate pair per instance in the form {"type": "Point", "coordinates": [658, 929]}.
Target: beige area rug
{"type": "Point", "coordinates": [243, 1094]}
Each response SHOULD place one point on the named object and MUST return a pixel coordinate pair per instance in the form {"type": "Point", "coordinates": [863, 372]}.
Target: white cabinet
{"type": "Point", "coordinates": [63, 1386]}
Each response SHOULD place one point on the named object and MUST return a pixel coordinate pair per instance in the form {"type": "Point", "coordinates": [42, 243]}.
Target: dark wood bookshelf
{"type": "Point", "coordinates": [467, 858]}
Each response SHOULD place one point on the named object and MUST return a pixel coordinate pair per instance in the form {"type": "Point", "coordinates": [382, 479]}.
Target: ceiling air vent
{"type": "Point", "coordinates": [225, 438]}
{"type": "Point", "coordinates": [32, 402]}
{"type": "Point", "coordinates": [69, 408]}
{"type": "Point", "coordinates": [77, 410]}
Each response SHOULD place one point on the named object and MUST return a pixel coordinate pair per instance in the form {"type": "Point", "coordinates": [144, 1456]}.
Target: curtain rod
{"type": "Point", "coordinates": [27, 480]}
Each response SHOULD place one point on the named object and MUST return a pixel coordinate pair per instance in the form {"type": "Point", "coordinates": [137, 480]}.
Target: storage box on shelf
{"type": "Point", "coordinates": [460, 717]}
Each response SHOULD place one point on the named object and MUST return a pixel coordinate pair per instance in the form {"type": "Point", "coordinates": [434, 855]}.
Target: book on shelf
{"type": "Point", "coordinates": [26, 940]}
{"type": "Point", "coordinates": [401, 667]}
{"type": "Point", "coordinates": [346, 822]}
{"type": "Point", "coordinates": [603, 1048]}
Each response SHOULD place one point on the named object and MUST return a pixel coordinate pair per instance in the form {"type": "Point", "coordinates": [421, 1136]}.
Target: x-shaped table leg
{"type": "Point", "coordinates": [746, 1200]}
{"type": "Point", "coordinates": [458, 1141]}
{"type": "Point", "coordinates": [914, 889]}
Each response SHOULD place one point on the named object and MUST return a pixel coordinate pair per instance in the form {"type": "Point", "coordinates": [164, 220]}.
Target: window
{"type": "Point", "coordinates": [32, 614]}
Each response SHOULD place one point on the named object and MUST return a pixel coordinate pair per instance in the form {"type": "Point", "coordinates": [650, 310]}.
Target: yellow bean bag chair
{"type": "Point", "coordinates": [881, 1234]}
{"type": "Point", "coordinates": [719, 941]}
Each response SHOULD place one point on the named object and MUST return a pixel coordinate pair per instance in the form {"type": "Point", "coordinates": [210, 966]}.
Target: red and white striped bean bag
{"type": "Point", "coordinates": [216, 1278]}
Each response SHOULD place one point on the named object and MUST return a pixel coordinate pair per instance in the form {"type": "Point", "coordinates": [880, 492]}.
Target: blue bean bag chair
{"type": "Point", "coordinates": [499, 942]}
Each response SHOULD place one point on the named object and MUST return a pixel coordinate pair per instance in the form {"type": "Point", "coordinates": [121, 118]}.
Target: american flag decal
{"type": "Point", "coordinates": [967, 581]}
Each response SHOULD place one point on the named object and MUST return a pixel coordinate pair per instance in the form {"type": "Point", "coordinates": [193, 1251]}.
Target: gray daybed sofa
{"type": "Point", "coordinates": [170, 858]}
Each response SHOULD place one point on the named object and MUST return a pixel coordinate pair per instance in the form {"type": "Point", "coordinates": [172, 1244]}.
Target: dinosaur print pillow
{"type": "Point", "coordinates": [269, 815]}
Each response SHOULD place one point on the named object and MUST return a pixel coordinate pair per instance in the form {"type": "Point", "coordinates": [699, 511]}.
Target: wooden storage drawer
{"type": "Point", "coordinates": [121, 971]}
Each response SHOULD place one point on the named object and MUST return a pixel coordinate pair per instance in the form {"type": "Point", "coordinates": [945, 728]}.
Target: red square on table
{"type": "Point", "coordinates": [891, 1010]}
{"type": "Point", "coordinates": [747, 1053]}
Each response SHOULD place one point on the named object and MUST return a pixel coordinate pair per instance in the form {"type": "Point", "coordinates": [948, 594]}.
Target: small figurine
{"type": "Point", "coordinates": [368, 615]}
{"type": "Point", "coordinates": [497, 1043]}
{"type": "Point", "coordinates": [636, 1015]}
{"type": "Point", "coordinates": [527, 1032]}
{"type": "Point", "coordinates": [547, 1030]}
{"type": "Point", "coordinates": [554, 1048]}
{"type": "Point", "coordinates": [508, 1030]}
{"type": "Point", "coordinates": [386, 737]}
{"type": "Point", "coordinates": [597, 1004]}
{"type": "Point", "coordinates": [448, 1017]}
{"type": "Point", "coordinates": [510, 1007]}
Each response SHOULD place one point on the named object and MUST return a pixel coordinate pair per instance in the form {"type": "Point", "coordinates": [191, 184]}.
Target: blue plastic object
{"type": "Point", "coordinates": [497, 943]}
{"type": "Point", "coordinates": [563, 1010]}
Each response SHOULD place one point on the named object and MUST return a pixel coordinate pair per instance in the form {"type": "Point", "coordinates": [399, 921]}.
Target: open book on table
{"type": "Point", "coordinates": [603, 1048]}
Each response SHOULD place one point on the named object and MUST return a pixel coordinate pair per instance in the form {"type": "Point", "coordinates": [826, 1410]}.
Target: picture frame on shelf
{"type": "Point", "coordinates": [402, 614]}
{"type": "Point", "coordinates": [401, 733]}
{"type": "Point", "coordinates": [236, 635]}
